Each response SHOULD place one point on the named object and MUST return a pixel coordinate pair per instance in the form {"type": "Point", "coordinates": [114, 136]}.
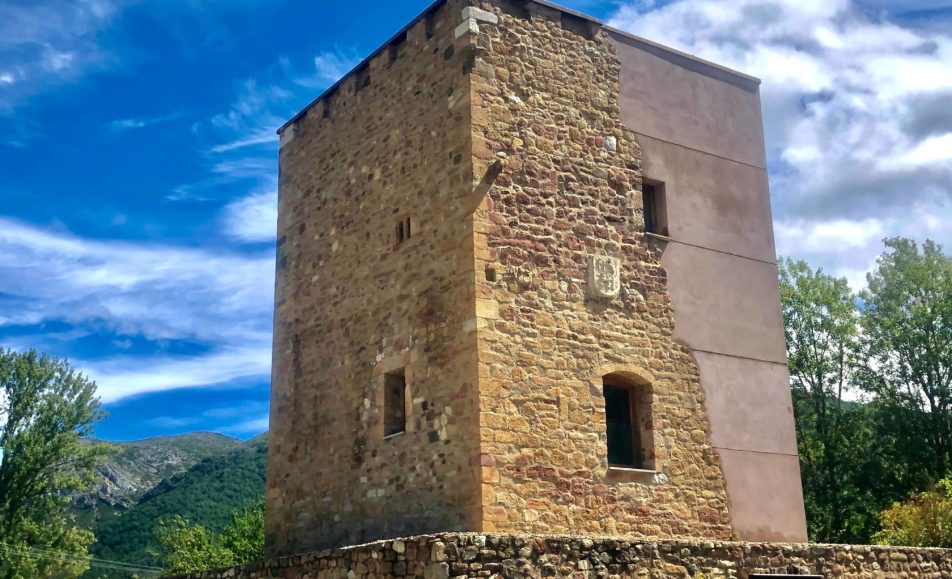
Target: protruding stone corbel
{"type": "Point", "coordinates": [472, 16]}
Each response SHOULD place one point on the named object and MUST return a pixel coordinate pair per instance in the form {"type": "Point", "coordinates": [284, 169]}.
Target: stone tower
{"type": "Point", "coordinates": [527, 283]}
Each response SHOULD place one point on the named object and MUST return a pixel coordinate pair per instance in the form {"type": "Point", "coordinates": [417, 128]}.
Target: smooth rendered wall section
{"type": "Point", "coordinates": [354, 303]}
{"type": "Point", "coordinates": [701, 133]}
{"type": "Point", "coordinates": [566, 189]}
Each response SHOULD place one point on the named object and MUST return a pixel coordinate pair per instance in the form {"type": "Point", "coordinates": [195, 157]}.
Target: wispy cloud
{"type": "Point", "coordinates": [859, 131]}
{"type": "Point", "coordinates": [243, 151]}
{"type": "Point", "coordinates": [213, 297]}
{"type": "Point", "coordinates": [250, 416]}
{"type": "Point", "coordinates": [265, 137]}
{"type": "Point", "coordinates": [252, 219]}
{"type": "Point", "coordinates": [329, 67]}
{"type": "Point", "coordinates": [46, 43]}
{"type": "Point", "coordinates": [122, 125]}
{"type": "Point", "coordinates": [260, 107]}
{"type": "Point", "coordinates": [252, 426]}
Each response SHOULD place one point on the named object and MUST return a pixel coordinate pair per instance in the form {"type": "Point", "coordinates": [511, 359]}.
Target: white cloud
{"type": "Point", "coordinates": [45, 43]}
{"type": "Point", "coordinates": [241, 411]}
{"type": "Point", "coordinates": [931, 152]}
{"type": "Point", "coordinates": [828, 236]}
{"type": "Point", "coordinates": [254, 116]}
{"type": "Point", "coordinates": [211, 297]}
{"type": "Point", "coordinates": [254, 218]}
{"type": "Point", "coordinates": [120, 125]}
{"type": "Point", "coordinates": [252, 426]}
{"type": "Point", "coordinates": [330, 67]}
{"type": "Point", "coordinates": [856, 111]}
{"type": "Point", "coordinates": [261, 107]}
{"type": "Point", "coordinates": [265, 137]}
{"type": "Point", "coordinates": [124, 376]}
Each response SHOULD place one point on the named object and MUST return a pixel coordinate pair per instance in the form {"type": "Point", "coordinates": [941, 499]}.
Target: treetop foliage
{"type": "Point", "coordinates": [871, 376]}
{"type": "Point", "coordinates": [46, 407]}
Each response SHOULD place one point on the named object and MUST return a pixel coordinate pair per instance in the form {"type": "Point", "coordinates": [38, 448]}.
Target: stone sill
{"type": "Point", "coordinates": [657, 236]}
{"type": "Point", "coordinates": [628, 470]}
{"type": "Point", "coordinates": [394, 435]}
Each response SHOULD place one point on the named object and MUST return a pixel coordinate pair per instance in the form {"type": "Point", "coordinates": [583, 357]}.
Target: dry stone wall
{"type": "Point", "coordinates": [477, 555]}
{"type": "Point", "coordinates": [569, 290]}
{"type": "Point", "coordinates": [390, 144]}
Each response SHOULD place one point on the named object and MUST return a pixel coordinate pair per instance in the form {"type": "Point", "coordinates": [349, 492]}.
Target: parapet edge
{"type": "Point", "coordinates": [715, 70]}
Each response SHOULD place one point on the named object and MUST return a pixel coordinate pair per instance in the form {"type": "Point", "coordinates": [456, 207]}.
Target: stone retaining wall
{"type": "Point", "coordinates": [493, 555]}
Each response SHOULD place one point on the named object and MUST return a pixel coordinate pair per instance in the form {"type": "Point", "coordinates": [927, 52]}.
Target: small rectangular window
{"type": "Point", "coordinates": [402, 231]}
{"type": "Point", "coordinates": [394, 402]}
{"type": "Point", "coordinates": [655, 209]}
{"type": "Point", "coordinates": [629, 426]}
{"type": "Point", "coordinates": [624, 446]}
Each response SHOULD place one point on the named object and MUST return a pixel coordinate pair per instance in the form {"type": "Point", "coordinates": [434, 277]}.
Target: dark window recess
{"type": "Point", "coordinates": [656, 214]}
{"type": "Point", "coordinates": [396, 46]}
{"type": "Point", "coordinates": [624, 440]}
{"type": "Point", "coordinates": [428, 24]}
{"type": "Point", "coordinates": [403, 231]}
{"type": "Point", "coordinates": [629, 424]}
{"type": "Point", "coordinates": [362, 77]}
{"type": "Point", "coordinates": [580, 26]}
{"type": "Point", "coordinates": [394, 402]}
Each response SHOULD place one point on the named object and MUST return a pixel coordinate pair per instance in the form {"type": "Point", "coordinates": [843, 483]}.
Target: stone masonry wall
{"type": "Point", "coordinates": [472, 555]}
{"type": "Point", "coordinates": [562, 183]}
{"type": "Point", "coordinates": [393, 142]}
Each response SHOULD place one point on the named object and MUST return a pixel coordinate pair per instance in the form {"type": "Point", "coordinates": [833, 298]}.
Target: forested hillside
{"type": "Point", "coordinates": [207, 494]}
{"type": "Point", "coordinates": [137, 466]}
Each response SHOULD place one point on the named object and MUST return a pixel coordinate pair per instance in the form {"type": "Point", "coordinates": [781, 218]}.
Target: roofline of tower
{"type": "Point", "coordinates": [437, 4]}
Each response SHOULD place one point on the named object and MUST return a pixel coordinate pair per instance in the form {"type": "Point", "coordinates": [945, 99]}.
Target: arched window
{"type": "Point", "coordinates": [628, 422]}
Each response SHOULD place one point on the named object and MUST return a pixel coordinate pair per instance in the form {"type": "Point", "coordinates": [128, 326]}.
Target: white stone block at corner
{"type": "Point", "coordinates": [467, 27]}
{"type": "Point", "coordinates": [480, 15]}
{"type": "Point", "coordinates": [604, 277]}
{"type": "Point", "coordinates": [287, 135]}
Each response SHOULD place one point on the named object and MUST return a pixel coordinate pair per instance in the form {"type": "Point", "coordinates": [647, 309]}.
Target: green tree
{"type": "Point", "coordinates": [244, 537]}
{"type": "Point", "coordinates": [925, 520]}
{"type": "Point", "coordinates": [45, 409]}
{"type": "Point", "coordinates": [186, 548]}
{"type": "Point", "coordinates": [907, 325]}
{"type": "Point", "coordinates": [834, 435]}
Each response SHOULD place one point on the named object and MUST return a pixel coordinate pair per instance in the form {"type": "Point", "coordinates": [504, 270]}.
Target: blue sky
{"type": "Point", "coordinates": [138, 165]}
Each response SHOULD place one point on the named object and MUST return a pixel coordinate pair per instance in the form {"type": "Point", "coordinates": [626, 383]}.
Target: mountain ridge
{"type": "Point", "coordinates": [138, 465]}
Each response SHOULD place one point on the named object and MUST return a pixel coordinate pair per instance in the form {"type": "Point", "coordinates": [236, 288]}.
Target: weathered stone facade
{"type": "Point", "coordinates": [352, 304]}
{"type": "Point", "coordinates": [465, 210]}
{"type": "Point", "coordinates": [495, 555]}
{"type": "Point", "coordinates": [545, 102]}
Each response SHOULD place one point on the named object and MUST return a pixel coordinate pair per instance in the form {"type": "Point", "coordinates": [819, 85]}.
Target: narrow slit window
{"type": "Point", "coordinates": [622, 436]}
{"type": "Point", "coordinates": [403, 230]}
{"type": "Point", "coordinates": [395, 399]}
{"type": "Point", "coordinates": [628, 424]}
{"type": "Point", "coordinates": [395, 47]}
{"type": "Point", "coordinates": [362, 77]}
{"type": "Point", "coordinates": [655, 209]}
{"type": "Point", "coordinates": [428, 24]}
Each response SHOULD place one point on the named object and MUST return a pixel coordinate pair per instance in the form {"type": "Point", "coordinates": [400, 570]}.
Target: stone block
{"type": "Point", "coordinates": [469, 26]}
{"type": "Point", "coordinates": [480, 15]}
